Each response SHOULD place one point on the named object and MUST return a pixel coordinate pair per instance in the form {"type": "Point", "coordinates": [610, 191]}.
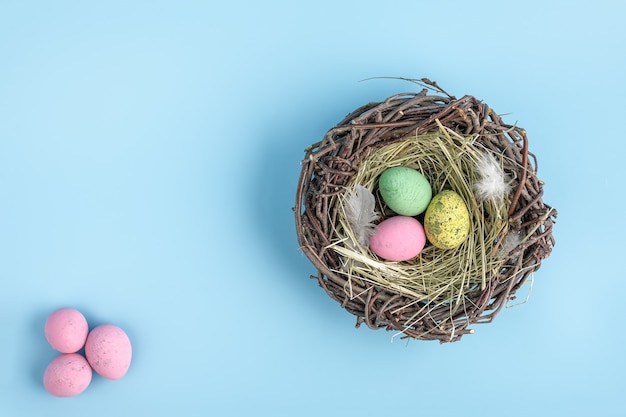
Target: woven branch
{"type": "Point", "coordinates": [329, 167]}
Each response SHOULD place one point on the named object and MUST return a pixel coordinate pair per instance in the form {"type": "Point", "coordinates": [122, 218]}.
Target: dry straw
{"type": "Point", "coordinates": [440, 293]}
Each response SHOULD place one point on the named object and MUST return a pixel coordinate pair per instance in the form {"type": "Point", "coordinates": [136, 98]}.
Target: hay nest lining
{"type": "Point", "coordinates": [440, 293]}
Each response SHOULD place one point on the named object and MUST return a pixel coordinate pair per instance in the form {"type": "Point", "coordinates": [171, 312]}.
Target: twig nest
{"type": "Point", "coordinates": [487, 227]}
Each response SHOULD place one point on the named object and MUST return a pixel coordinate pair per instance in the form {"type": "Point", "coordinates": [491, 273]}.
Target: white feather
{"type": "Point", "coordinates": [510, 242]}
{"type": "Point", "coordinates": [492, 183]}
{"type": "Point", "coordinates": [360, 204]}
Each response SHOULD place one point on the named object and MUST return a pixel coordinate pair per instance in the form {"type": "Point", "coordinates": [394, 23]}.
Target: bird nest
{"type": "Point", "coordinates": [440, 293]}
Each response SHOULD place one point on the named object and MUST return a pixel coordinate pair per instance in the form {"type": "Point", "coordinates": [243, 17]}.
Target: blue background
{"type": "Point", "coordinates": [149, 154]}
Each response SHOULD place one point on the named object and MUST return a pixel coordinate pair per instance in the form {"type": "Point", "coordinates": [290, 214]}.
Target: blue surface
{"type": "Point", "coordinates": [149, 154]}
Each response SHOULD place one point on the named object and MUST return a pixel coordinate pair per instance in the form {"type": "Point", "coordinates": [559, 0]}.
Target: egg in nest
{"type": "Point", "coordinates": [447, 220]}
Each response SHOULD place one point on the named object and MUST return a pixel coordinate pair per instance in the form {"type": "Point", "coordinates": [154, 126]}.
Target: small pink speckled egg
{"type": "Point", "coordinates": [67, 375]}
{"type": "Point", "coordinates": [108, 351]}
{"type": "Point", "coordinates": [66, 330]}
{"type": "Point", "coordinates": [398, 239]}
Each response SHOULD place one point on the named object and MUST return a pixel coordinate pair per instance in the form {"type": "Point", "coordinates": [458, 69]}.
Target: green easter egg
{"type": "Point", "coordinates": [405, 190]}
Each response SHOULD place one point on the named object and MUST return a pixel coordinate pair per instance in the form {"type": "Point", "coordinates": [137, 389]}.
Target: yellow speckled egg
{"type": "Point", "coordinates": [447, 220]}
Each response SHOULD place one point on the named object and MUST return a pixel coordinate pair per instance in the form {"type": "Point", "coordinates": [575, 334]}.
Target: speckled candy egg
{"type": "Point", "coordinates": [447, 220]}
{"type": "Point", "coordinates": [405, 190]}
{"type": "Point", "coordinates": [108, 351]}
{"type": "Point", "coordinates": [66, 330]}
{"type": "Point", "coordinates": [67, 375]}
{"type": "Point", "coordinates": [398, 239]}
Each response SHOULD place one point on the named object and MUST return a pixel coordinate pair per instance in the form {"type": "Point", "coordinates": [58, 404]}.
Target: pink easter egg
{"type": "Point", "coordinates": [66, 330]}
{"type": "Point", "coordinates": [108, 351]}
{"type": "Point", "coordinates": [398, 239]}
{"type": "Point", "coordinates": [67, 375]}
